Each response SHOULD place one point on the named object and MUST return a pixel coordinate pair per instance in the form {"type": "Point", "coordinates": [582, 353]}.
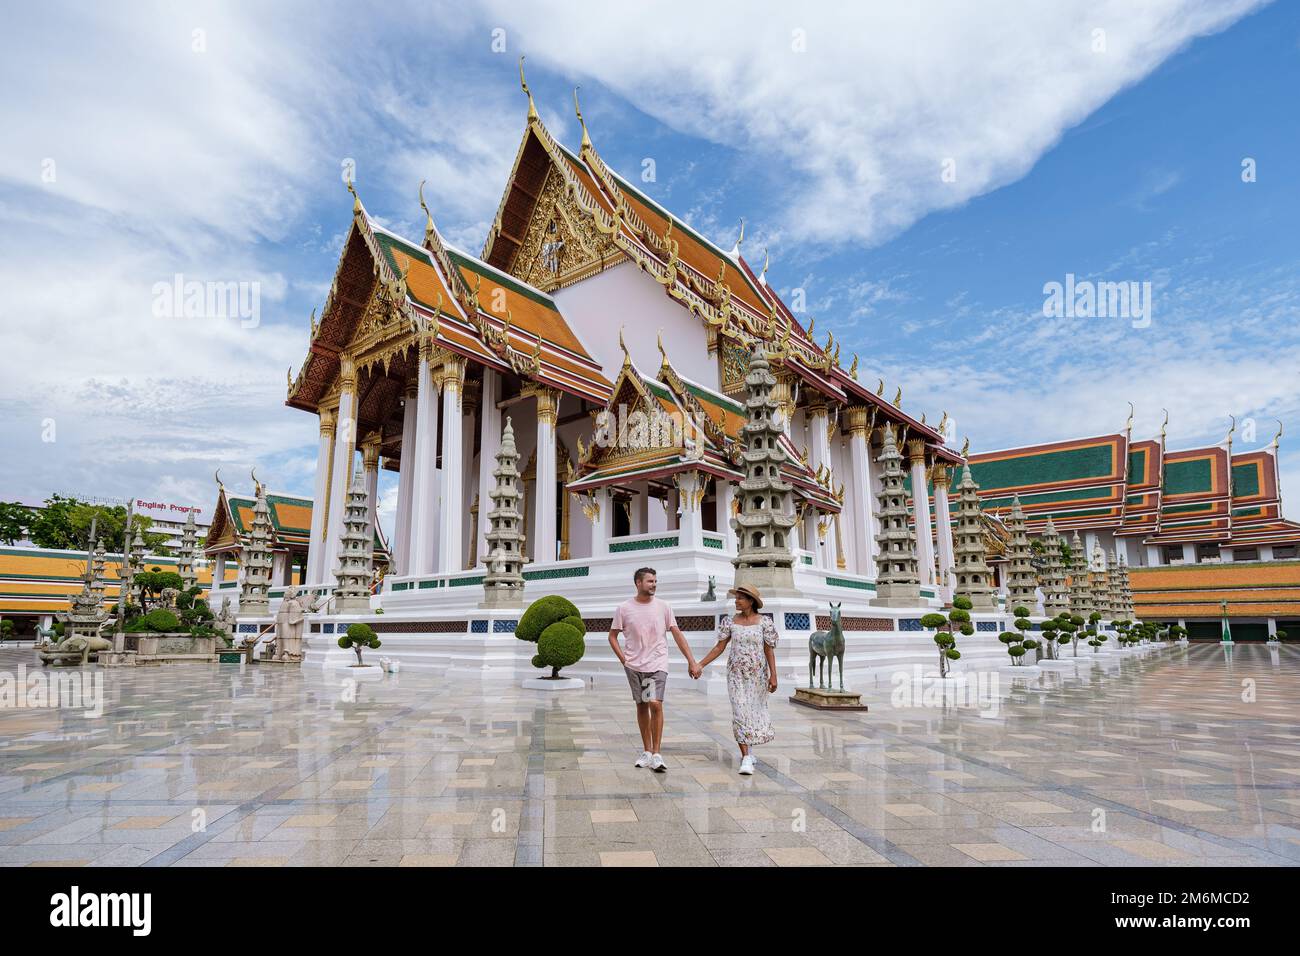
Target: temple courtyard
{"type": "Point", "coordinates": [1184, 756]}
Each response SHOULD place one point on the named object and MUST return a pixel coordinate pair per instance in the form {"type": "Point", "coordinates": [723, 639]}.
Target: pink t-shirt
{"type": "Point", "coordinates": [645, 627]}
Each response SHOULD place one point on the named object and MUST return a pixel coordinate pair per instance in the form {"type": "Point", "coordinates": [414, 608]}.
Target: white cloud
{"type": "Point", "coordinates": [863, 120]}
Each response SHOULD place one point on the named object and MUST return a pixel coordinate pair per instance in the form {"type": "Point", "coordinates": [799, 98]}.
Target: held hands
{"type": "Point", "coordinates": [695, 670]}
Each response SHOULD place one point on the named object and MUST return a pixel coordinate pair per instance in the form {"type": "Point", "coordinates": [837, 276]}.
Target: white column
{"type": "Point", "coordinates": [489, 445]}
{"type": "Point", "coordinates": [1266, 552]}
{"type": "Point", "coordinates": [450, 557]}
{"type": "Point", "coordinates": [1153, 556]}
{"type": "Point", "coordinates": [370, 466]}
{"type": "Point", "coordinates": [1189, 553]}
{"type": "Point", "coordinates": [469, 401]}
{"type": "Point", "coordinates": [279, 565]}
{"type": "Point", "coordinates": [600, 527]}
{"type": "Point", "coordinates": [319, 508]}
{"type": "Point", "coordinates": [943, 517]}
{"type": "Point", "coordinates": [690, 532]}
{"type": "Point", "coordinates": [725, 495]}
{"type": "Point", "coordinates": [424, 501]}
{"type": "Point", "coordinates": [218, 573]}
{"type": "Point", "coordinates": [345, 437]}
{"type": "Point", "coordinates": [862, 548]}
{"type": "Point", "coordinates": [405, 482]}
{"type": "Point", "coordinates": [921, 511]}
{"type": "Point", "coordinates": [544, 539]}
{"type": "Point", "coordinates": [819, 457]}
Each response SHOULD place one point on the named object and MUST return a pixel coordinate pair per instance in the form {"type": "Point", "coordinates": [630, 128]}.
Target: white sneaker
{"type": "Point", "coordinates": [644, 760]}
{"type": "Point", "coordinates": [657, 764]}
{"type": "Point", "coordinates": [747, 765]}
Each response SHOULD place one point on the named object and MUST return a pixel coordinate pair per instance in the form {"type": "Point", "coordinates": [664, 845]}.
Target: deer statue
{"type": "Point", "coordinates": [824, 647]}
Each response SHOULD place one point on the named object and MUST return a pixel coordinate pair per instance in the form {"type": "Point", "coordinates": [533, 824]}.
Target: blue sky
{"type": "Point", "coordinates": [216, 150]}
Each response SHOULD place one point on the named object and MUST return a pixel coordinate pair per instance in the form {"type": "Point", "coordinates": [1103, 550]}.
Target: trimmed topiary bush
{"type": "Point", "coordinates": [555, 624]}
{"type": "Point", "coordinates": [560, 645]}
{"type": "Point", "coordinates": [541, 614]}
{"type": "Point", "coordinates": [359, 636]}
{"type": "Point", "coordinates": [158, 621]}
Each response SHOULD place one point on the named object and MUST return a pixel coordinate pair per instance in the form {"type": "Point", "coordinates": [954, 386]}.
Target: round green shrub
{"type": "Point", "coordinates": [362, 635]}
{"type": "Point", "coordinates": [541, 614]}
{"type": "Point", "coordinates": [1016, 651]}
{"type": "Point", "coordinates": [158, 621]}
{"type": "Point", "coordinates": [931, 621]}
{"type": "Point", "coordinates": [577, 622]}
{"type": "Point", "coordinates": [962, 603]}
{"type": "Point", "coordinates": [560, 645]}
{"type": "Point", "coordinates": [953, 654]}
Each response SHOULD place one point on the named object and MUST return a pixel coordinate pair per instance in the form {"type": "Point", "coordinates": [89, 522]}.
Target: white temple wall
{"type": "Point", "coordinates": [642, 310]}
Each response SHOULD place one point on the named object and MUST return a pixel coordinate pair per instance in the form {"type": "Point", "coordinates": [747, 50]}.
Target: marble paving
{"type": "Point", "coordinates": [1179, 758]}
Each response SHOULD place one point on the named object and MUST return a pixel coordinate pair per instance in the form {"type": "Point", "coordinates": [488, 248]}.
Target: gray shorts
{"type": "Point", "coordinates": [646, 686]}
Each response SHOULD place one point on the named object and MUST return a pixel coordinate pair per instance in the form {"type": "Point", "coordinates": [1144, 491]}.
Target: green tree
{"type": "Point", "coordinates": [64, 523]}
{"type": "Point", "coordinates": [14, 519]}
{"type": "Point", "coordinates": [151, 584]}
{"type": "Point", "coordinates": [359, 636]}
{"type": "Point", "coordinates": [957, 621]}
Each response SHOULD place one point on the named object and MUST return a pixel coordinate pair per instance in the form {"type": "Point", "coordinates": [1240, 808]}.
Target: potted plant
{"type": "Point", "coordinates": [359, 636]}
{"type": "Point", "coordinates": [555, 625]}
{"type": "Point", "coordinates": [957, 620]}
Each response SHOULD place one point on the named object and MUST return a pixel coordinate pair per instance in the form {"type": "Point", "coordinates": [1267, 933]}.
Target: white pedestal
{"type": "Point", "coordinates": [353, 672]}
{"type": "Point", "coordinates": [548, 684]}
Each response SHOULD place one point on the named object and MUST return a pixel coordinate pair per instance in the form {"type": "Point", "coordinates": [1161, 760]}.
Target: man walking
{"type": "Point", "coordinates": [644, 621]}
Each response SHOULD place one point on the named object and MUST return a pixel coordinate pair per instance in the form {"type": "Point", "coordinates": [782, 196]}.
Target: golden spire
{"type": "Point", "coordinates": [661, 348]}
{"type": "Point", "coordinates": [898, 397]}
{"type": "Point", "coordinates": [853, 369]}
{"type": "Point", "coordinates": [812, 324]}
{"type": "Point", "coordinates": [627, 356]}
{"type": "Point", "coordinates": [1278, 436]}
{"type": "Point", "coordinates": [735, 250]}
{"type": "Point", "coordinates": [428, 217]}
{"type": "Point", "coordinates": [257, 485]}
{"type": "Point", "coordinates": [880, 389]}
{"type": "Point", "coordinates": [532, 107]}
{"type": "Point", "coordinates": [586, 140]}
{"type": "Point", "coordinates": [217, 475]}
{"type": "Point", "coordinates": [356, 200]}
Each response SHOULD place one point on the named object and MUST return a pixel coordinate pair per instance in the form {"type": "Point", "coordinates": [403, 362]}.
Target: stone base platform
{"type": "Point", "coordinates": [820, 699]}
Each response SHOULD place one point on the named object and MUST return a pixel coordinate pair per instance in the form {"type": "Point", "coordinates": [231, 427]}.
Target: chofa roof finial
{"type": "Point", "coordinates": [532, 107]}
{"type": "Point", "coordinates": [586, 140]}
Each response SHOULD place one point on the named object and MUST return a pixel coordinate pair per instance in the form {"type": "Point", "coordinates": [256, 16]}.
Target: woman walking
{"type": "Point", "coordinates": [751, 670]}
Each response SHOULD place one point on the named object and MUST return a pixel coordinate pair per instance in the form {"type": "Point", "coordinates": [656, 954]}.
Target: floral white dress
{"type": "Point", "coordinates": [747, 678]}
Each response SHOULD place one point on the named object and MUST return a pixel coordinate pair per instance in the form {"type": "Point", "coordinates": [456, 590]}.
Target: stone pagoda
{"type": "Point", "coordinates": [1052, 579]}
{"type": "Point", "coordinates": [185, 554]}
{"type": "Point", "coordinates": [98, 581]}
{"type": "Point", "coordinates": [1115, 588]}
{"type": "Point", "coordinates": [1080, 592]}
{"type": "Point", "coordinates": [898, 582]}
{"type": "Point", "coordinates": [1099, 582]}
{"type": "Point", "coordinates": [973, 573]}
{"type": "Point", "coordinates": [503, 584]}
{"type": "Point", "coordinates": [1125, 591]}
{"type": "Point", "coordinates": [1022, 582]}
{"type": "Point", "coordinates": [356, 552]}
{"type": "Point", "coordinates": [764, 519]}
{"type": "Point", "coordinates": [255, 562]}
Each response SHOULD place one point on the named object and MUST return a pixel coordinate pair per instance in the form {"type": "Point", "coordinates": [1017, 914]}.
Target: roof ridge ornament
{"type": "Point", "coordinates": [627, 356]}
{"type": "Point", "coordinates": [586, 139]}
{"type": "Point", "coordinates": [428, 216]}
{"type": "Point", "coordinates": [1278, 435]}
{"type": "Point", "coordinates": [532, 107]}
{"type": "Point", "coordinates": [735, 250]}
{"type": "Point", "coordinates": [356, 200]}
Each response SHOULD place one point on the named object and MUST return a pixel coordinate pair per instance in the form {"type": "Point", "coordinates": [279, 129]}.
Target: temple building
{"type": "Point", "coordinates": [617, 339]}
{"type": "Point", "coordinates": [1194, 527]}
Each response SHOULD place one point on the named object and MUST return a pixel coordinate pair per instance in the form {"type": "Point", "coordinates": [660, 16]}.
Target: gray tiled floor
{"type": "Point", "coordinates": [1178, 758]}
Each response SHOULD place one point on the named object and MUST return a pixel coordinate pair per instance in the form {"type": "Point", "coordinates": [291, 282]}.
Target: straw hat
{"type": "Point", "coordinates": [749, 591]}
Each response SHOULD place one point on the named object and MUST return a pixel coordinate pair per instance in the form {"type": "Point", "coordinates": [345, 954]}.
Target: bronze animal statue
{"type": "Point", "coordinates": [823, 648]}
